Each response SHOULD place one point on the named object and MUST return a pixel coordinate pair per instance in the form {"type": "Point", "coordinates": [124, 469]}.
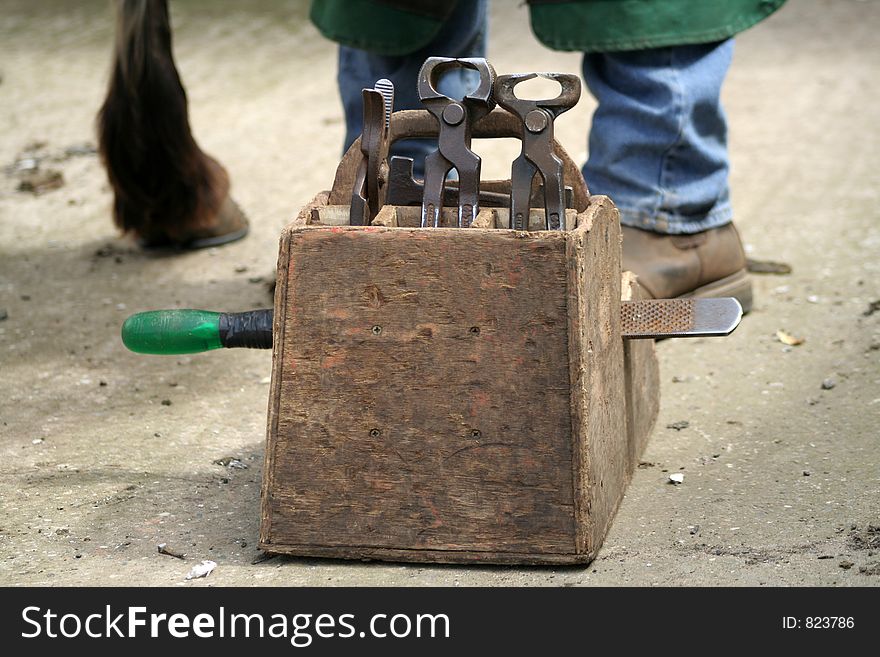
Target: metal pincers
{"type": "Point", "coordinates": [368, 195]}
{"type": "Point", "coordinates": [537, 154]}
{"type": "Point", "coordinates": [456, 119]}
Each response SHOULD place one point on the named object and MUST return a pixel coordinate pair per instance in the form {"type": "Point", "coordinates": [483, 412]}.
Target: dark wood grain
{"type": "Point", "coordinates": [642, 381]}
{"type": "Point", "coordinates": [419, 372]}
{"type": "Point", "coordinates": [447, 395]}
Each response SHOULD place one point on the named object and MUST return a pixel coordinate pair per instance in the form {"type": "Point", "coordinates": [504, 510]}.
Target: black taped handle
{"type": "Point", "coordinates": [249, 330]}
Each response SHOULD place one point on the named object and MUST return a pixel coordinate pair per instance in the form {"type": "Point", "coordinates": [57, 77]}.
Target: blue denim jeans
{"type": "Point", "coordinates": [463, 35]}
{"type": "Point", "coordinates": [658, 140]}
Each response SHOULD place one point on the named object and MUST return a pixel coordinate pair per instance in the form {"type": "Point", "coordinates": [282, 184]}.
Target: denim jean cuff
{"type": "Point", "coordinates": [669, 224]}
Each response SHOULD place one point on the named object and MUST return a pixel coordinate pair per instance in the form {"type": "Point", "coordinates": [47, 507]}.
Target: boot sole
{"type": "Point", "coordinates": [736, 285]}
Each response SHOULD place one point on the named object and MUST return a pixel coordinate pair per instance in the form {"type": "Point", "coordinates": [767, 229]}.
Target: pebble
{"type": "Point", "coordinates": [80, 149]}
{"type": "Point", "coordinates": [38, 182]}
{"type": "Point", "coordinates": [231, 462]}
{"type": "Point", "coordinates": [828, 384]}
{"type": "Point", "coordinates": [202, 569]}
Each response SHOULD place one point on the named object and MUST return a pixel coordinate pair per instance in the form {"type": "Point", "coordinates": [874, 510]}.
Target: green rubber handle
{"type": "Point", "coordinates": [172, 332]}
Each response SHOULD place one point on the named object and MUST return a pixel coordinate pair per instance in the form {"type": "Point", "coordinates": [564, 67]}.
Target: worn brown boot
{"type": "Point", "coordinates": [707, 264]}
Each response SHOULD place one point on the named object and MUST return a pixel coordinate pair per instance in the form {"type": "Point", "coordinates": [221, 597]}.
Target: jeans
{"type": "Point", "coordinates": [463, 35]}
{"type": "Point", "coordinates": [658, 143]}
{"type": "Point", "coordinates": [658, 140]}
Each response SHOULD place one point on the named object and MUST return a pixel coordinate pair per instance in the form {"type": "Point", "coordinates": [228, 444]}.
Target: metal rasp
{"type": "Point", "coordinates": [679, 318]}
{"type": "Point", "coordinates": [192, 331]}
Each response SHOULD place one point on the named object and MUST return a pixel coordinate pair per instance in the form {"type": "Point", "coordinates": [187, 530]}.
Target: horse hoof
{"type": "Point", "coordinates": [231, 226]}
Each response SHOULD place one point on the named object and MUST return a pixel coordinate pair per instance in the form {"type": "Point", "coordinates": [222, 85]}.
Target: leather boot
{"type": "Point", "coordinates": [707, 264]}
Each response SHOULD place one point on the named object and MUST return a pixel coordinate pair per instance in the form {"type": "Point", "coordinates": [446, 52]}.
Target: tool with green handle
{"type": "Point", "coordinates": [168, 332]}
{"type": "Point", "coordinates": [192, 331]}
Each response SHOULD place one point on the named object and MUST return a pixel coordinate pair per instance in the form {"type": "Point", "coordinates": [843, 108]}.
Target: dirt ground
{"type": "Point", "coordinates": [104, 454]}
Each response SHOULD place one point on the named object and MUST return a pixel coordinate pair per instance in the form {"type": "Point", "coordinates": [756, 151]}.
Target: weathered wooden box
{"type": "Point", "coordinates": [452, 395]}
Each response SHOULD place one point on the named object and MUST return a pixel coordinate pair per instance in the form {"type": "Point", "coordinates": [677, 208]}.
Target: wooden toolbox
{"type": "Point", "coordinates": [451, 395]}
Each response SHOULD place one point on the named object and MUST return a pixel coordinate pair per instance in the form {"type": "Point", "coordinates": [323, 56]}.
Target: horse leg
{"type": "Point", "coordinates": [167, 191]}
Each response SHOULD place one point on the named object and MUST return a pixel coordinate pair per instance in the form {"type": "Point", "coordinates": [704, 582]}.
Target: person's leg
{"type": "Point", "coordinates": [658, 144]}
{"type": "Point", "coordinates": [463, 35]}
{"type": "Point", "coordinates": [658, 148]}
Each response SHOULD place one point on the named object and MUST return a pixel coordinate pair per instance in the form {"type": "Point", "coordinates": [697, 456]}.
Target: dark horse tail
{"type": "Point", "coordinates": [164, 184]}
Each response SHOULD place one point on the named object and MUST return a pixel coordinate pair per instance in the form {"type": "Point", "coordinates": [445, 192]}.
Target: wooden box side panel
{"type": "Point", "coordinates": [642, 381]}
{"type": "Point", "coordinates": [597, 376]}
{"type": "Point", "coordinates": [421, 393]}
{"type": "Point", "coordinates": [278, 331]}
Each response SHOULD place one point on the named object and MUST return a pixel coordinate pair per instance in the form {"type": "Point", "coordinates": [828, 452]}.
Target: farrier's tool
{"type": "Point", "coordinates": [404, 189]}
{"type": "Point", "coordinates": [537, 154]}
{"type": "Point", "coordinates": [191, 331]}
{"type": "Point", "coordinates": [456, 118]}
{"type": "Point", "coordinates": [368, 195]}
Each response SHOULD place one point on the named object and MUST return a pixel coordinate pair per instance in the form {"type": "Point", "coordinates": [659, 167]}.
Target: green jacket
{"type": "Point", "coordinates": [399, 27]}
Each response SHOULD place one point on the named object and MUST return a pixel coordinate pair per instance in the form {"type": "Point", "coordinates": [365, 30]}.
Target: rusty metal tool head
{"type": "Point", "coordinates": [537, 154]}
{"type": "Point", "coordinates": [368, 195]}
{"type": "Point", "coordinates": [456, 119]}
{"type": "Point", "coordinates": [404, 189]}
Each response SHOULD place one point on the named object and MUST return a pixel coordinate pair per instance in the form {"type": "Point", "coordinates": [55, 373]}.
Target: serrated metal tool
{"type": "Point", "coordinates": [679, 318]}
